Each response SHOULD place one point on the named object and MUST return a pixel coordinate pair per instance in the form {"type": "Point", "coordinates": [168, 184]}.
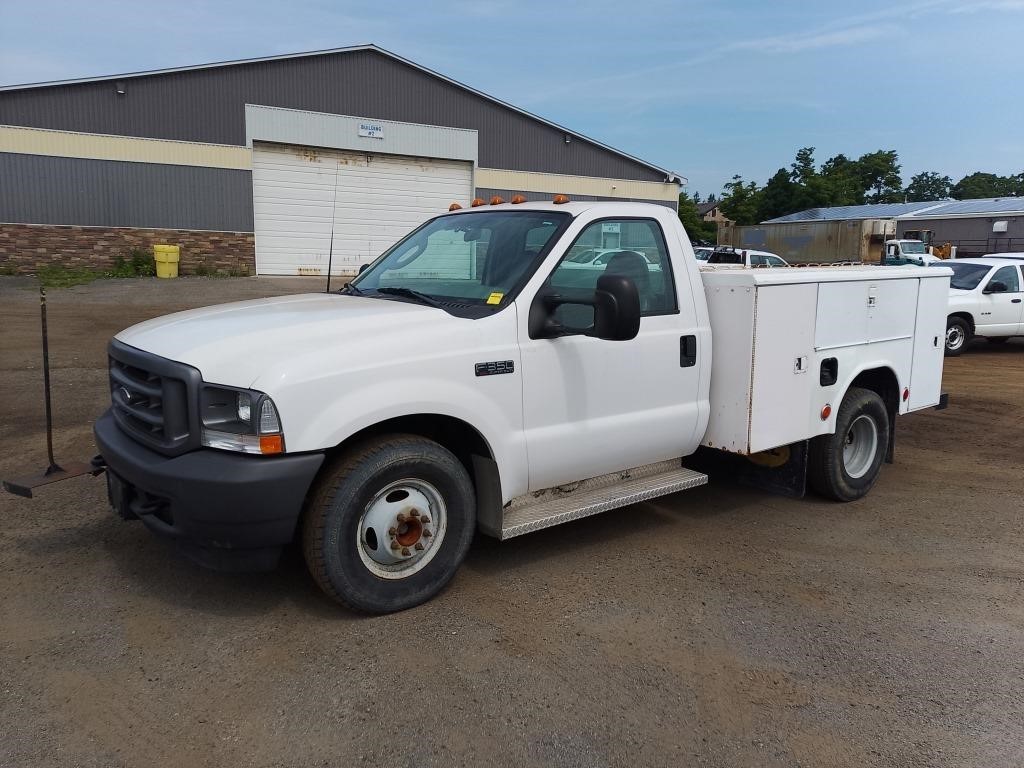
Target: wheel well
{"type": "Point", "coordinates": [457, 436]}
{"type": "Point", "coordinates": [966, 316]}
{"type": "Point", "coordinates": [883, 382]}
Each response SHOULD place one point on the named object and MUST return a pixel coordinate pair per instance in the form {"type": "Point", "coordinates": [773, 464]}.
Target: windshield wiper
{"type": "Point", "coordinates": [352, 290]}
{"type": "Point", "coordinates": [409, 293]}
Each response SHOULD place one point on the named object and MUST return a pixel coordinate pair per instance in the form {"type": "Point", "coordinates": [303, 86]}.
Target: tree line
{"type": "Point", "coordinates": [872, 178]}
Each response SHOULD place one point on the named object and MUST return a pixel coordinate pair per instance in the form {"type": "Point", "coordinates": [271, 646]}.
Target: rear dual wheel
{"type": "Point", "coordinates": [389, 523]}
{"type": "Point", "coordinates": [845, 465]}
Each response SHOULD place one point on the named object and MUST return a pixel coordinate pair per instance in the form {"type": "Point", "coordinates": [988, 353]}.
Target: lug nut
{"type": "Point", "coordinates": [418, 546]}
{"type": "Point", "coordinates": [424, 519]}
{"type": "Point", "coordinates": [426, 533]}
{"type": "Point", "coordinates": [402, 517]}
{"type": "Point", "coordinates": [392, 531]}
{"type": "Point", "coordinates": [415, 513]}
{"type": "Point", "coordinates": [405, 551]}
{"type": "Point", "coordinates": [395, 545]}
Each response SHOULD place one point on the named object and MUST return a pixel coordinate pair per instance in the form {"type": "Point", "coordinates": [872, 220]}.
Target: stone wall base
{"type": "Point", "coordinates": [26, 247]}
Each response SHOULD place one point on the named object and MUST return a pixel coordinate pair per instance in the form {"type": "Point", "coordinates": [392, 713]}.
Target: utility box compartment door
{"type": "Point", "coordinates": [929, 343]}
{"type": "Point", "coordinates": [785, 366]}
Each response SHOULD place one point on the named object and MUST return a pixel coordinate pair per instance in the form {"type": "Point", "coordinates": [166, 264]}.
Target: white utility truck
{"type": "Point", "coordinates": [475, 378]}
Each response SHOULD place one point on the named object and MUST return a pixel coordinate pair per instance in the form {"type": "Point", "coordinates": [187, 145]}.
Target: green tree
{"type": "Point", "coordinates": [777, 196]}
{"type": "Point", "coordinates": [741, 201]}
{"type": "Point", "coordinates": [926, 186]}
{"type": "Point", "coordinates": [809, 190]}
{"type": "Point", "coordinates": [843, 184]}
{"type": "Point", "coordinates": [695, 226]}
{"type": "Point", "coordinates": [879, 174]}
{"type": "Point", "coordinates": [978, 184]}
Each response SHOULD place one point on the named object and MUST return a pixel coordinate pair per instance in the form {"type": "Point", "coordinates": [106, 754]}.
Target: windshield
{"type": "Point", "coordinates": [913, 247]}
{"type": "Point", "coordinates": [966, 277]}
{"type": "Point", "coordinates": [471, 258]}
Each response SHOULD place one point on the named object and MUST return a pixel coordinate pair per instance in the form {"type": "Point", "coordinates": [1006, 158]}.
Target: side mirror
{"type": "Point", "coordinates": [363, 268]}
{"type": "Point", "coordinates": [616, 313]}
{"type": "Point", "coordinates": [996, 286]}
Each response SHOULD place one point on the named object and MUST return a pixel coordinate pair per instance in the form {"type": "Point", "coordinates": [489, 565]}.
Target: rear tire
{"type": "Point", "coordinates": [958, 335]}
{"type": "Point", "coordinates": [389, 523]}
{"type": "Point", "coordinates": [845, 465]}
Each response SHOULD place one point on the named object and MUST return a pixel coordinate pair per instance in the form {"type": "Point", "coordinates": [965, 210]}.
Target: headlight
{"type": "Point", "coordinates": [229, 424]}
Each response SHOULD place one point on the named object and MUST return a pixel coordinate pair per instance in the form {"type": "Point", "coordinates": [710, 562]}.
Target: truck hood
{"type": "Point", "coordinates": [234, 343]}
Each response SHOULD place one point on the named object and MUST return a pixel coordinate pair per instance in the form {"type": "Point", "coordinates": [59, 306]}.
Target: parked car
{"type": "Point", "coordinates": [745, 257]}
{"type": "Point", "coordinates": [599, 257]}
{"type": "Point", "coordinates": [703, 252]}
{"type": "Point", "coordinates": [1018, 256]}
{"type": "Point", "coordinates": [985, 299]}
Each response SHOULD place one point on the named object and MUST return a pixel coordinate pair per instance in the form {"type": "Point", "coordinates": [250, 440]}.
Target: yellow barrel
{"type": "Point", "coordinates": [167, 257]}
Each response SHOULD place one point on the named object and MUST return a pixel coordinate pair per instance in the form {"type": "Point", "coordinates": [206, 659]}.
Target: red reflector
{"type": "Point", "coordinates": [826, 412]}
{"type": "Point", "coordinates": [906, 394]}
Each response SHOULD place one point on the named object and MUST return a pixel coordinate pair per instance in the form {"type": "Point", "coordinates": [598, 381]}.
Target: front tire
{"type": "Point", "coordinates": [389, 523]}
{"type": "Point", "coordinates": [958, 334]}
{"type": "Point", "coordinates": [845, 465]}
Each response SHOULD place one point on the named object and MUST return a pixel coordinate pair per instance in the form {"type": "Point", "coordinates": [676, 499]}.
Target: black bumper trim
{"type": "Point", "coordinates": [227, 511]}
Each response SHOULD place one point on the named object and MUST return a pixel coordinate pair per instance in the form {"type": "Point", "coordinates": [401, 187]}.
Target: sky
{"type": "Point", "coordinates": [706, 89]}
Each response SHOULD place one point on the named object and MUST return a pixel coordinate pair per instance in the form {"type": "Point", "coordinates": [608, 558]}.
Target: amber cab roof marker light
{"type": "Point", "coordinates": [518, 199]}
{"type": "Point", "coordinates": [477, 202]}
{"type": "Point", "coordinates": [454, 207]}
{"type": "Point", "coordinates": [496, 200]}
{"type": "Point", "coordinates": [559, 199]}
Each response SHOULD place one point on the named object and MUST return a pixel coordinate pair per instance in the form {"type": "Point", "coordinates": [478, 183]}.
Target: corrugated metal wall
{"type": "Point", "coordinates": [208, 105]}
{"type": "Point", "coordinates": [973, 236]}
{"type": "Point", "coordinates": [64, 190]}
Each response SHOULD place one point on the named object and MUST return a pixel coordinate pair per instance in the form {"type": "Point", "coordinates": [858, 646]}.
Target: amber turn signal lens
{"type": "Point", "coordinates": [518, 199]}
{"type": "Point", "coordinates": [477, 202]}
{"type": "Point", "coordinates": [271, 444]}
{"type": "Point", "coordinates": [559, 199]}
{"type": "Point", "coordinates": [496, 200]}
{"type": "Point", "coordinates": [454, 207]}
{"type": "Point", "coordinates": [826, 412]}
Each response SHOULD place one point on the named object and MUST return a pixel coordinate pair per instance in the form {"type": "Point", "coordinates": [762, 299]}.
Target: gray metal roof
{"type": "Point", "coordinates": [929, 209]}
{"type": "Point", "coordinates": [844, 212]}
{"type": "Point", "coordinates": [671, 176]}
{"type": "Point", "coordinates": [980, 207]}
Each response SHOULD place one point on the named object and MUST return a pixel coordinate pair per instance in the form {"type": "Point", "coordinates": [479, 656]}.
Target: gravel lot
{"type": "Point", "coordinates": [716, 627]}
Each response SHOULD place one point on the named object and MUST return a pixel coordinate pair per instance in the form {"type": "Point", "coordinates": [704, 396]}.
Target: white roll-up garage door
{"type": "Point", "coordinates": [373, 199]}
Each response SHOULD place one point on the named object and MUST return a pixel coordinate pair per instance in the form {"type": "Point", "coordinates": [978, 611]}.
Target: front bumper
{"type": "Point", "coordinates": [226, 511]}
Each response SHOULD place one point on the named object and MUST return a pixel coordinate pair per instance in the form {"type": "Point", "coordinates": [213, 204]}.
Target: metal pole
{"type": "Point", "coordinates": [54, 467]}
{"type": "Point", "coordinates": [334, 208]}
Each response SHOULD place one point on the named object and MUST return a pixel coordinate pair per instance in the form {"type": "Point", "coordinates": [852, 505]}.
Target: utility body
{"type": "Point", "coordinates": [476, 377]}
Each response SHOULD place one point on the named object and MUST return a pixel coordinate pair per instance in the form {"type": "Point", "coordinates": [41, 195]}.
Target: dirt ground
{"type": "Point", "coordinates": [717, 627]}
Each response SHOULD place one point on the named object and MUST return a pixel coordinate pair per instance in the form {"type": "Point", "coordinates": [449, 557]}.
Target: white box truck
{"type": "Point", "coordinates": [475, 377]}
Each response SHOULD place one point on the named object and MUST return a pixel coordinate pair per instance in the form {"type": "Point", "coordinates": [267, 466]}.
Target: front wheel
{"type": "Point", "coordinates": [389, 523]}
{"type": "Point", "coordinates": [958, 333]}
{"type": "Point", "coordinates": [845, 465]}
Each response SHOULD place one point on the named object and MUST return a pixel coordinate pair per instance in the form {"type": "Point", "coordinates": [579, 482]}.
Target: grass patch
{"type": "Point", "coordinates": [57, 276]}
{"type": "Point", "coordinates": [8, 271]}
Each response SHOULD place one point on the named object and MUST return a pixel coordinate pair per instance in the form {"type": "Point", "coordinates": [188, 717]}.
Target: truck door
{"type": "Point", "coordinates": [1000, 313]}
{"type": "Point", "coordinates": [592, 406]}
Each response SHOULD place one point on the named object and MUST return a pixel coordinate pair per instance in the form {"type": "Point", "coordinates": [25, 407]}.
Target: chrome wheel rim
{"type": "Point", "coordinates": [860, 446]}
{"type": "Point", "coordinates": [954, 337]}
{"type": "Point", "coordinates": [402, 528]}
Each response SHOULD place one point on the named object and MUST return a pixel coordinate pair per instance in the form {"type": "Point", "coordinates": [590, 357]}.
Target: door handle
{"type": "Point", "coordinates": [687, 351]}
{"type": "Point", "coordinates": [1015, 301]}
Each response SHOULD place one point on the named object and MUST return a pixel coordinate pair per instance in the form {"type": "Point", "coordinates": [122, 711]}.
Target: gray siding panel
{"type": "Point", "coordinates": [208, 105]}
{"type": "Point", "coordinates": [108, 193]}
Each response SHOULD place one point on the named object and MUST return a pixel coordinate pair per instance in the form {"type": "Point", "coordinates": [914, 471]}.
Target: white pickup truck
{"type": "Point", "coordinates": [986, 299]}
{"type": "Point", "coordinates": [470, 379]}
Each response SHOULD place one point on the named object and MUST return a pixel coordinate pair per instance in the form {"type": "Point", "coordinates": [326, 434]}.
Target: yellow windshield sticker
{"type": "Point", "coordinates": [495, 298]}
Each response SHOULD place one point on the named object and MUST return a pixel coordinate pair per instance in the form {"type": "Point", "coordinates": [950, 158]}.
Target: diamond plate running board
{"type": "Point", "coordinates": [543, 509]}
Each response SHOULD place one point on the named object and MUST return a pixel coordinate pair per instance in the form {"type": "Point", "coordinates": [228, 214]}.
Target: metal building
{"type": "Point", "coordinates": [251, 165]}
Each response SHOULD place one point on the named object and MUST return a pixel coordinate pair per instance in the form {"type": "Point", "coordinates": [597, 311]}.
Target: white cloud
{"type": "Point", "coordinates": [814, 40]}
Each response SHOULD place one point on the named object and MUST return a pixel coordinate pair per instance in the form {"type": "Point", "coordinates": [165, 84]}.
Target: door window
{"type": "Point", "coordinates": [1008, 275]}
{"type": "Point", "coordinates": [637, 251]}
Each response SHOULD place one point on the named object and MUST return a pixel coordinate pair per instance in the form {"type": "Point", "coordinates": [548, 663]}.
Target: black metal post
{"type": "Point", "coordinates": [54, 467]}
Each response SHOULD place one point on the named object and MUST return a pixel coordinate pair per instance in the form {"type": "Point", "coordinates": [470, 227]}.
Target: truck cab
{"type": "Point", "coordinates": [908, 252]}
